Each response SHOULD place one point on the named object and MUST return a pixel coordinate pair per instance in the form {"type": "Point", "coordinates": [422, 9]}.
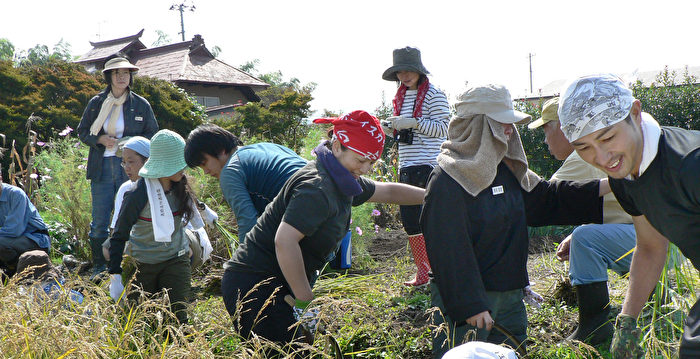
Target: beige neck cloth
{"type": "Point", "coordinates": [476, 145]}
{"type": "Point", "coordinates": [110, 107]}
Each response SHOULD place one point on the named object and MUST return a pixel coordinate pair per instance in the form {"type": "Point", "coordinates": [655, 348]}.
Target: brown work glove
{"type": "Point", "coordinates": [625, 343]}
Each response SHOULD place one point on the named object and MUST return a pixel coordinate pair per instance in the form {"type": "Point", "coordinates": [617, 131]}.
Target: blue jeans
{"type": "Point", "coordinates": [595, 248]}
{"type": "Point", "coordinates": [103, 192]}
{"type": "Point", "coordinates": [507, 309]}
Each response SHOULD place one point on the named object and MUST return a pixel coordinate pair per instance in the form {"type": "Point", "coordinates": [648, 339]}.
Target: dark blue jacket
{"type": "Point", "coordinates": [135, 107]}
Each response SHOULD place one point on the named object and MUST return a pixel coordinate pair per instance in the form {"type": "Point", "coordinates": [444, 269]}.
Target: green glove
{"type": "Point", "coordinates": [625, 343]}
{"type": "Point", "coordinates": [301, 304]}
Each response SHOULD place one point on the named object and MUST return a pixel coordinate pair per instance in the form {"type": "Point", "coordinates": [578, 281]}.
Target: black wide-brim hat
{"type": "Point", "coordinates": [406, 59]}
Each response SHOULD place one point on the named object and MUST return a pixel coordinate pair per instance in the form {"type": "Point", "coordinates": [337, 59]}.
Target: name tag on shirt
{"type": "Point", "coordinates": [182, 252]}
{"type": "Point", "coordinates": [497, 190]}
{"type": "Point", "coordinates": [139, 118]}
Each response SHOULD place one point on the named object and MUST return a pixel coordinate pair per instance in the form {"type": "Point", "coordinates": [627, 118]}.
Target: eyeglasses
{"type": "Point", "coordinates": [127, 164]}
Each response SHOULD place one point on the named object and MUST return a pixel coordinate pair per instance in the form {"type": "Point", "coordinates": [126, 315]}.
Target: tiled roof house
{"type": "Point", "coordinates": [188, 64]}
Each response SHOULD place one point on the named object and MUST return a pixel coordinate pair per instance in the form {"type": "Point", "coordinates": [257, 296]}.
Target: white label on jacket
{"type": "Point", "coordinates": [497, 190]}
{"type": "Point", "coordinates": [139, 118]}
{"type": "Point", "coordinates": [182, 252]}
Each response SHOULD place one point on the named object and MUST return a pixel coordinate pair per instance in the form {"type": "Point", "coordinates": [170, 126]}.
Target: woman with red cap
{"type": "Point", "coordinates": [303, 225]}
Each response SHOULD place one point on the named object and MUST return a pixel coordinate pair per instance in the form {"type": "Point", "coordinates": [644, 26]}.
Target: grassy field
{"type": "Point", "coordinates": [366, 309]}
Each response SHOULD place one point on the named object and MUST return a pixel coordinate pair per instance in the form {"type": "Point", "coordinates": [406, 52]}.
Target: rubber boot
{"type": "Point", "coordinates": [594, 327]}
{"type": "Point", "coordinates": [420, 257]}
{"type": "Point", "coordinates": [99, 264]}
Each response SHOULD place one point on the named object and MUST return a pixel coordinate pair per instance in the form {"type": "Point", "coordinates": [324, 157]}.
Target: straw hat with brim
{"type": "Point", "coordinates": [491, 100]}
{"type": "Point", "coordinates": [167, 155]}
{"type": "Point", "coordinates": [549, 113]}
{"type": "Point", "coordinates": [119, 63]}
{"type": "Point", "coordinates": [406, 59]}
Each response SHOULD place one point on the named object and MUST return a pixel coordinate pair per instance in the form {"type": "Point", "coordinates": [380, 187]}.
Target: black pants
{"type": "Point", "coordinates": [690, 343]}
{"type": "Point", "coordinates": [13, 247]}
{"type": "Point", "coordinates": [258, 309]}
{"type": "Point", "coordinates": [416, 176]}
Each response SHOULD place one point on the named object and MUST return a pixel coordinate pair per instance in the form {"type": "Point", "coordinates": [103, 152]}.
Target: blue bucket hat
{"type": "Point", "coordinates": [140, 145]}
{"type": "Point", "coordinates": [167, 155]}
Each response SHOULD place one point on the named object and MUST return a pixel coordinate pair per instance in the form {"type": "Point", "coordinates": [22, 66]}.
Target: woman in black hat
{"type": "Point", "coordinates": [419, 124]}
{"type": "Point", "coordinates": [111, 117]}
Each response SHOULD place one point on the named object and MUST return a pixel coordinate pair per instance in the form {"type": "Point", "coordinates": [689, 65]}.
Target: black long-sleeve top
{"type": "Point", "coordinates": [479, 244]}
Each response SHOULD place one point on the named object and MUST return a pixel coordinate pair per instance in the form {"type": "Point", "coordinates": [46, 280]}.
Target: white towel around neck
{"type": "Point", "coordinates": [161, 215]}
{"type": "Point", "coordinates": [197, 224]}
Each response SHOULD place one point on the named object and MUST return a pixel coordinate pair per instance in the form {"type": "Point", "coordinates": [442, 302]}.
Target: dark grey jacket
{"type": "Point", "coordinates": [135, 107]}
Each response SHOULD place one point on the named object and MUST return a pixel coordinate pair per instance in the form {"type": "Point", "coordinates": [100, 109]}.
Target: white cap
{"type": "Point", "coordinates": [480, 350]}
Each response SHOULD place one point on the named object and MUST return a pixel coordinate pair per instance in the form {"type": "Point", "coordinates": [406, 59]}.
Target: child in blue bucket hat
{"type": "Point", "coordinates": [151, 219]}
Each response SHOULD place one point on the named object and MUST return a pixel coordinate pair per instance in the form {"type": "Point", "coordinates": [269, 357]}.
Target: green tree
{"type": "Point", "coordinates": [173, 107]}
{"type": "Point", "coordinates": [672, 101]}
{"type": "Point", "coordinates": [538, 157]}
{"type": "Point", "coordinates": [57, 91]}
{"type": "Point", "coordinates": [280, 116]}
{"type": "Point", "coordinates": [7, 50]}
{"type": "Point", "coordinates": [163, 39]}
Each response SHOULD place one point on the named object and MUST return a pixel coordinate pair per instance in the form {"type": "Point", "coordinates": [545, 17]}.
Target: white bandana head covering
{"type": "Point", "coordinates": [591, 103]}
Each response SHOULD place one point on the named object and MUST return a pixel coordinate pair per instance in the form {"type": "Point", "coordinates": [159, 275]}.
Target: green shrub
{"type": "Point", "coordinates": [65, 192]}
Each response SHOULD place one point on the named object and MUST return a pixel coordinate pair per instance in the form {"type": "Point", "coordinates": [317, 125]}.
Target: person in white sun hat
{"type": "Point", "coordinates": [654, 172]}
{"type": "Point", "coordinates": [151, 219]}
{"type": "Point", "coordinates": [478, 204]}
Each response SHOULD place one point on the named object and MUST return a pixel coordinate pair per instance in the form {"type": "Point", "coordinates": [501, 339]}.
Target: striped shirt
{"type": "Point", "coordinates": [431, 131]}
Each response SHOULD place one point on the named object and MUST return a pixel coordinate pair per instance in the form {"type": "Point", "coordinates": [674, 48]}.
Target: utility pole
{"type": "Point", "coordinates": [529, 56]}
{"type": "Point", "coordinates": [181, 8]}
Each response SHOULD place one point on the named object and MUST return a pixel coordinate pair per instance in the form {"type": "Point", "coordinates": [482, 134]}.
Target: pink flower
{"type": "Point", "coordinates": [33, 176]}
{"type": "Point", "coordinates": [81, 167]}
{"type": "Point", "coordinates": [376, 228]}
{"type": "Point", "coordinates": [350, 220]}
{"type": "Point", "coordinates": [376, 213]}
{"type": "Point", "coordinates": [40, 144]}
{"type": "Point", "coordinates": [358, 230]}
{"type": "Point", "coordinates": [66, 131]}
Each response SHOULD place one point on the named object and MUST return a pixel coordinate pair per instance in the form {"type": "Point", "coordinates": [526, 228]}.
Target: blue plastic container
{"type": "Point", "coordinates": [343, 257]}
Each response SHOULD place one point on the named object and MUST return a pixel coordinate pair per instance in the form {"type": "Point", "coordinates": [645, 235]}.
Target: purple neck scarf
{"type": "Point", "coordinates": [347, 184]}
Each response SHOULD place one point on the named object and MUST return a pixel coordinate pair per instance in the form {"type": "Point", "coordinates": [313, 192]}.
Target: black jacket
{"type": "Point", "coordinates": [479, 244]}
{"type": "Point", "coordinates": [139, 120]}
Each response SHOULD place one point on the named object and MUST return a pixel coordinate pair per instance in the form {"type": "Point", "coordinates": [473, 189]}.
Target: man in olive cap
{"type": "Point", "coordinates": [591, 248]}
{"type": "Point", "coordinates": [653, 172]}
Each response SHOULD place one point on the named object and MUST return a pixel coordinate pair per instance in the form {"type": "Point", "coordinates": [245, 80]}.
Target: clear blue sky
{"type": "Point", "coordinates": [345, 46]}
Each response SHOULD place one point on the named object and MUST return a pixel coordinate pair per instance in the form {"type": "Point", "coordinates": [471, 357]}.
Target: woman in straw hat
{"type": "Point", "coordinates": [303, 225]}
{"type": "Point", "coordinates": [478, 204]}
{"type": "Point", "coordinates": [151, 219]}
{"type": "Point", "coordinates": [419, 123]}
{"type": "Point", "coordinates": [110, 117]}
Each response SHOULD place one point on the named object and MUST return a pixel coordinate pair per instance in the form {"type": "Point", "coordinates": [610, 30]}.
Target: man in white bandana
{"type": "Point", "coordinates": [654, 172]}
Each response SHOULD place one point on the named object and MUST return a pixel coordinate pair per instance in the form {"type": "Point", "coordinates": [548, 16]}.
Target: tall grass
{"type": "Point", "coordinates": [65, 192]}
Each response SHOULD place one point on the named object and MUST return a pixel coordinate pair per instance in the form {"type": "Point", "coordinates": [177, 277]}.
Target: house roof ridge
{"type": "Point", "coordinates": [125, 39]}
